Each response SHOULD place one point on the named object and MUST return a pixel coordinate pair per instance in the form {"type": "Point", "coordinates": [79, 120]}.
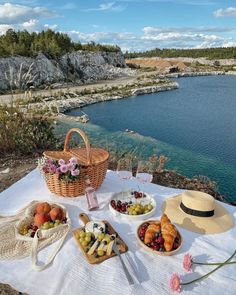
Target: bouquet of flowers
{"type": "Point", "coordinates": [67, 171]}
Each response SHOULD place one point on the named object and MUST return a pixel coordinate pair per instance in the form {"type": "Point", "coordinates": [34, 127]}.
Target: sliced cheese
{"type": "Point", "coordinates": [93, 248]}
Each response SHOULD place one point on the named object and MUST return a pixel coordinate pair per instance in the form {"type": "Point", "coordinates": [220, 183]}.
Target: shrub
{"type": "Point", "coordinates": [24, 133]}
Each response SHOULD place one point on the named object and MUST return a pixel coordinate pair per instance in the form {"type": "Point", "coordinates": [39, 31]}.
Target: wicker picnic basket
{"type": "Point", "coordinates": [93, 164]}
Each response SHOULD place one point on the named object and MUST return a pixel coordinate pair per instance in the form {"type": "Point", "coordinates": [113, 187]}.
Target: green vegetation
{"type": "Point", "coordinates": [49, 42]}
{"type": "Point", "coordinates": [211, 53]}
{"type": "Point", "coordinates": [24, 134]}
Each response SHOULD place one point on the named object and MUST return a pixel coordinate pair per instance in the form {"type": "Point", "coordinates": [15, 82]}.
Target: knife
{"type": "Point", "coordinates": [128, 275]}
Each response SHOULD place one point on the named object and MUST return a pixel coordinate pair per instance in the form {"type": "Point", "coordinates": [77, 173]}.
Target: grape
{"type": "Point", "coordinates": [82, 234]}
{"type": "Point", "coordinates": [107, 238]}
{"type": "Point", "coordinates": [101, 236]}
{"type": "Point", "coordinates": [150, 207]}
{"type": "Point", "coordinates": [46, 225]}
{"type": "Point", "coordinates": [100, 252]}
{"type": "Point", "coordinates": [88, 239]}
{"type": "Point", "coordinates": [84, 243]}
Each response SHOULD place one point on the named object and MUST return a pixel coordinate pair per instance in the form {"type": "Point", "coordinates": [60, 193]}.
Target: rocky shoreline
{"type": "Point", "coordinates": [71, 100]}
{"type": "Point", "coordinates": [196, 74]}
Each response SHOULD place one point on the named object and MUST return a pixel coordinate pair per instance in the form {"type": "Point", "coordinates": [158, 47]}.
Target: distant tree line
{"type": "Point", "coordinates": [211, 53]}
{"type": "Point", "coordinates": [49, 42]}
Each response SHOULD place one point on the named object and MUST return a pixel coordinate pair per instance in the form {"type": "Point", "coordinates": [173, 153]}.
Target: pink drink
{"type": "Point", "coordinates": [91, 196]}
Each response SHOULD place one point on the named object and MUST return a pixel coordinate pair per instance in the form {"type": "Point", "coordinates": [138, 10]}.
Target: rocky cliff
{"type": "Point", "coordinates": [76, 67]}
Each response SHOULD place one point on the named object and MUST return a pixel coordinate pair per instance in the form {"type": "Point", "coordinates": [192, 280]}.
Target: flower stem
{"type": "Point", "coordinates": [213, 263]}
{"type": "Point", "coordinates": [209, 273]}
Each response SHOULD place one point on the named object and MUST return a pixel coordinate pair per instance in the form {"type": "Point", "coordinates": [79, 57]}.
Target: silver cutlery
{"type": "Point", "coordinates": [126, 271]}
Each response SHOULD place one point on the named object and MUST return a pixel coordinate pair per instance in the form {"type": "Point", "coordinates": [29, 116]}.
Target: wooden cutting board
{"type": "Point", "coordinates": [91, 259]}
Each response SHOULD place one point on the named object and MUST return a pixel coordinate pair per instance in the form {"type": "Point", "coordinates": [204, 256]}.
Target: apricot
{"type": "Point", "coordinates": [43, 208]}
{"type": "Point", "coordinates": [56, 213]}
{"type": "Point", "coordinates": [40, 218]}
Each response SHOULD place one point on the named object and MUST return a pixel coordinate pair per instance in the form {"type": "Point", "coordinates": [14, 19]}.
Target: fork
{"type": "Point", "coordinates": [128, 275]}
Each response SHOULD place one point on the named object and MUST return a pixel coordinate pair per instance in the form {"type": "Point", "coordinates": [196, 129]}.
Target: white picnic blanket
{"type": "Point", "coordinates": [70, 273]}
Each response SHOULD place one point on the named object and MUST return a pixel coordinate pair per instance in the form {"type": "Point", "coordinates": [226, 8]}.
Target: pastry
{"type": "Point", "coordinates": [169, 232]}
{"type": "Point", "coordinates": [150, 232]}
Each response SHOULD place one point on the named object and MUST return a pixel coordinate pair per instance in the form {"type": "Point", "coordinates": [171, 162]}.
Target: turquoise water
{"type": "Point", "coordinates": [195, 126]}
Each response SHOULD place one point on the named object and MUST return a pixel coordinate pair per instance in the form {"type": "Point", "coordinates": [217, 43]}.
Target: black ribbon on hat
{"type": "Point", "coordinates": [196, 212]}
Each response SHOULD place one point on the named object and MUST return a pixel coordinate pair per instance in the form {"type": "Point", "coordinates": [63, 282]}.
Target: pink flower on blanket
{"type": "Point", "coordinates": [187, 262]}
{"type": "Point", "coordinates": [175, 284]}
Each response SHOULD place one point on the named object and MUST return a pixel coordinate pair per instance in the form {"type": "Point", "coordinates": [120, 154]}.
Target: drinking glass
{"type": "Point", "coordinates": [124, 169]}
{"type": "Point", "coordinates": [144, 172]}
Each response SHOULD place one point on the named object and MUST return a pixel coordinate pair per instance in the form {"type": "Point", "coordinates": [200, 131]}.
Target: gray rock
{"type": "Point", "coordinates": [20, 72]}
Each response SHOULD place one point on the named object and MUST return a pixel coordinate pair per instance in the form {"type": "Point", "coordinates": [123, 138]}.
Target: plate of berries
{"type": "Point", "coordinates": [159, 237]}
{"type": "Point", "coordinates": [132, 205]}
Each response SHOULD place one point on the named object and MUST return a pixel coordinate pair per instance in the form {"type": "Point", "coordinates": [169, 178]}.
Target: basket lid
{"type": "Point", "coordinates": [86, 156]}
{"type": "Point", "coordinates": [97, 155]}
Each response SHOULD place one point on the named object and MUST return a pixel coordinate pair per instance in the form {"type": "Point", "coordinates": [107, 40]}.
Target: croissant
{"type": "Point", "coordinates": [150, 232]}
{"type": "Point", "coordinates": [169, 233]}
{"type": "Point", "coordinates": [164, 219]}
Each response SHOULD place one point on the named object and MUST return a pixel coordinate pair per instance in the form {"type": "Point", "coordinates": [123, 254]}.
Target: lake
{"type": "Point", "coordinates": [195, 126]}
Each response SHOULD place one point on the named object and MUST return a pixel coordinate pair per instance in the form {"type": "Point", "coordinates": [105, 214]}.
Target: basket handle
{"type": "Point", "coordinates": [85, 139]}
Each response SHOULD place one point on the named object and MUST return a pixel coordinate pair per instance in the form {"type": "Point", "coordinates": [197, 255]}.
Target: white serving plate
{"type": "Point", "coordinates": [126, 196]}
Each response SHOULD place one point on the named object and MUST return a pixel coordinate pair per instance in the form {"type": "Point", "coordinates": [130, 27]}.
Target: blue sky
{"type": "Point", "coordinates": [131, 24]}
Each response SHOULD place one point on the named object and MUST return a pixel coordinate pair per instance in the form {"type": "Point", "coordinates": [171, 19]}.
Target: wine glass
{"type": "Point", "coordinates": [144, 173]}
{"type": "Point", "coordinates": [124, 168]}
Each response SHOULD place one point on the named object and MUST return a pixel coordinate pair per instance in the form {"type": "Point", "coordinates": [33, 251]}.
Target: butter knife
{"type": "Point", "coordinates": [127, 274]}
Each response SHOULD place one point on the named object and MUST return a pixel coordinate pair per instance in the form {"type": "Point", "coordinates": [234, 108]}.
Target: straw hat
{"type": "Point", "coordinates": [198, 212]}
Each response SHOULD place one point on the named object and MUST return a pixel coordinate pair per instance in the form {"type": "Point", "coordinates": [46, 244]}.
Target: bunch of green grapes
{"type": "Point", "coordinates": [85, 238]}
{"type": "Point", "coordinates": [137, 209]}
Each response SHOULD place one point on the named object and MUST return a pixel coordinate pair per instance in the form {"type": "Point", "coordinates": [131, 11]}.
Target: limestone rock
{"type": "Point", "coordinates": [79, 67]}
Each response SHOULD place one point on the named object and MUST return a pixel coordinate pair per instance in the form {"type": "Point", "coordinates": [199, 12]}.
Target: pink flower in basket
{"type": "Point", "coordinates": [187, 262]}
{"type": "Point", "coordinates": [75, 172]}
{"type": "Point", "coordinates": [53, 169]}
{"type": "Point", "coordinates": [61, 162]}
{"type": "Point", "coordinates": [73, 161]}
{"type": "Point", "coordinates": [64, 168]}
{"type": "Point", "coordinates": [175, 284]}
{"type": "Point", "coordinates": [50, 161]}
{"type": "Point", "coordinates": [71, 167]}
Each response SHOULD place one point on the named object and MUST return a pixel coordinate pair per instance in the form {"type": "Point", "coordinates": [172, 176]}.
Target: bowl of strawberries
{"type": "Point", "coordinates": [159, 237]}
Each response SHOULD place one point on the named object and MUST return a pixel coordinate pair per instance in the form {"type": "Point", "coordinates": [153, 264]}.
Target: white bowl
{"type": "Point", "coordinates": [126, 196]}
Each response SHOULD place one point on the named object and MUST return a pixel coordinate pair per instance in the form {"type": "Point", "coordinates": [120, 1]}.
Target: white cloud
{"type": "Point", "coordinates": [202, 29]}
{"type": "Point", "coordinates": [4, 28]}
{"type": "Point", "coordinates": [152, 37]}
{"type": "Point", "coordinates": [108, 6]}
{"type": "Point", "coordinates": [30, 25]}
{"type": "Point", "coordinates": [227, 12]}
{"type": "Point", "coordinates": [103, 37]}
{"type": "Point", "coordinates": [51, 27]}
{"type": "Point", "coordinates": [229, 44]}
{"type": "Point", "coordinates": [14, 13]}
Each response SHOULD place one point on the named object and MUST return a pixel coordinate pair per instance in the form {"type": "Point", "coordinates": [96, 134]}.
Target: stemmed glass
{"type": "Point", "coordinates": [144, 172]}
{"type": "Point", "coordinates": [124, 168]}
